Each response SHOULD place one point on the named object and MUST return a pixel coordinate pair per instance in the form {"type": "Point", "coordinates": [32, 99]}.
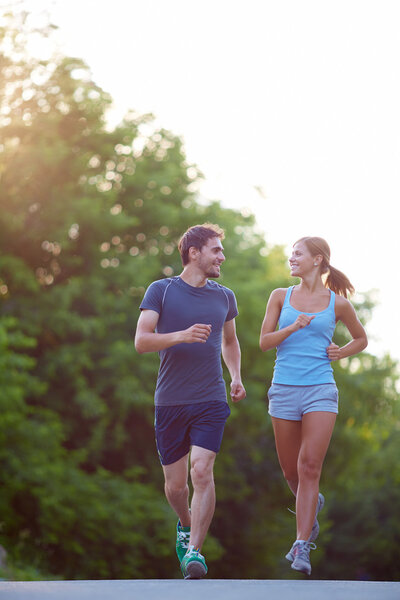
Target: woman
{"type": "Point", "coordinates": [303, 397]}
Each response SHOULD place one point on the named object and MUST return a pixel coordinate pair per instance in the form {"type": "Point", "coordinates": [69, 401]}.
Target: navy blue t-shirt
{"type": "Point", "coordinates": [190, 373]}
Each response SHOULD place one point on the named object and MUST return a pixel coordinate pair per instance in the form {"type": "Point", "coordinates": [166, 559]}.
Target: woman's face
{"type": "Point", "coordinates": [301, 261]}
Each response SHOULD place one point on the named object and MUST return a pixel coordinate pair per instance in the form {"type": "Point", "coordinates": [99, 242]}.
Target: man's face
{"type": "Point", "coordinates": [211, 257]}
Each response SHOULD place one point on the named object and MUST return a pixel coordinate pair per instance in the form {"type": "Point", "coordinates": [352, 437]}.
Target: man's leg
{"type": "Point", "coordinates": [206, 436]}
{"type": "Point", "coordinates": [177, 489]}
{"type": "Point", "coordinates": [203, 500]}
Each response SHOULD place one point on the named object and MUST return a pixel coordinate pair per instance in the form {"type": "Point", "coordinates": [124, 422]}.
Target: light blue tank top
{"type": "Point", "coordinates": [301, 359]}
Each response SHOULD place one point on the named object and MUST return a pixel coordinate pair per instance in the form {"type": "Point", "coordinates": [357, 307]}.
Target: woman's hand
{"type": "Point", "coordinates": [302, 321]}
{"type": "Point", "coordinates": [333, 352]}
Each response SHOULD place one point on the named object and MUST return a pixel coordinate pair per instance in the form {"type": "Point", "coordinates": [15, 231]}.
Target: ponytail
{"type": "Point", "coordinates": [336, 280]}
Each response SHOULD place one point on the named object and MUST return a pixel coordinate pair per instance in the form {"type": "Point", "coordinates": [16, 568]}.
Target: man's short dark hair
{"type": "Point", "coordinates": [198, 236]}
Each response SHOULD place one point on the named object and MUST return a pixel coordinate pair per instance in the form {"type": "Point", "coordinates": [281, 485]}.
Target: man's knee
{"type": "Point", "coordinates": [176, 487]}
{"type": "Point", "coordinates": [176, 475]}
{"type": "Point", "coordinates": [201, 473]}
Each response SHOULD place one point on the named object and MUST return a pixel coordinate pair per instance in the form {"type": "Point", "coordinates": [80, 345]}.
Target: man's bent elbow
{"type": "Point", "coordinates": [139, 346]}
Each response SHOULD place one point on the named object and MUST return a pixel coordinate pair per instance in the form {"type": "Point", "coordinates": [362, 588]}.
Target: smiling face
{"type": "Point", "coordinates": [301, 261]}
{"type": "Point", "coordinates": [210, 257]}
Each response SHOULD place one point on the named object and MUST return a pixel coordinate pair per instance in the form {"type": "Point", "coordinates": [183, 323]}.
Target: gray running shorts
{"type": "Point", "coordinates": [291, 402]}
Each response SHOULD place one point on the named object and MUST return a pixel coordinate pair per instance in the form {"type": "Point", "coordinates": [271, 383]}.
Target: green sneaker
{"type": "Point", "coordinates": [182, 540]}
{"type": "Point", "coordinates": [193, 565]}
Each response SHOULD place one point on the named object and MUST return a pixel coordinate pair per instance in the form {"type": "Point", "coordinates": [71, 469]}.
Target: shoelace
{"type": "Point", "coordinates": [192, 551]}
{"type": "Point", "coordinates": [317, 511]}
{"type": "Point", "coordinates": [184, 537]}
{"type": "Point", "coordinates": [304, 547]}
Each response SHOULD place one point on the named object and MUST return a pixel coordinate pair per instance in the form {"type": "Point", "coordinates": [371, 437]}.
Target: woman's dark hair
{"type": "Point", "coordinates": [198, 236]}
{"type": "Point", "coordinates": [336, 280]}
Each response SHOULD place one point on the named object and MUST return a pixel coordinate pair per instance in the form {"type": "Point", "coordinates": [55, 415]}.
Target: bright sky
{"type": "Point", "coordinates": [298, 98]}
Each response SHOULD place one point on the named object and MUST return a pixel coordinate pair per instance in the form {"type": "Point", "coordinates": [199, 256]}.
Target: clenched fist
{"type": "Point", "coordinates": [237, 391]}
{"type": "Point", "coordinates": [302, 321]}
{"type": "Point", "coordinates": [333, 351]}
{"type": "Point", "coordinates": [196, 333]}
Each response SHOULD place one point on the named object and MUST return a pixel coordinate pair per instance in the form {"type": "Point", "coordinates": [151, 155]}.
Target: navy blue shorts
{"type": "Point", "coordinates": [180, 427]}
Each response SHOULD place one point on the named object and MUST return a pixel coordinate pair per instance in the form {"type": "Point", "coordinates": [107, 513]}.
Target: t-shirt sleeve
{"type": "Point", "coordinates": [233, 309]}
{"type": "Point", "coordinates": [153, 297]}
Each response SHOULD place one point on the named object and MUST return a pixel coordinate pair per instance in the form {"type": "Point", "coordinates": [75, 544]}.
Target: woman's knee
{"type": "Point", "coordinates": [309, 468]}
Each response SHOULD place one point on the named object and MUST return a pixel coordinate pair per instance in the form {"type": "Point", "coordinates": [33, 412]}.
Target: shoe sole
{"type": "Point", "coordinates": [303, 568]}
{"type": "Point", "coordinates": [289, 556]}
{"type": "Point", "coordinates": [195, 570]}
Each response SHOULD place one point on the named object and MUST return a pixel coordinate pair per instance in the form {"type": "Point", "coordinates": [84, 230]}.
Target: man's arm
{"type": "Point", "coordinates": [147, 340]}
{"type": "Point", "coordinates": [231, 356]}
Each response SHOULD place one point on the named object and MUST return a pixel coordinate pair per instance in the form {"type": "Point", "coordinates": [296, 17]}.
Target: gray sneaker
{"type": "Point", "coordinates": [315, 529]}
{"type": "Point", "coordinates": [301, 551]}
{"type": "Point", "coordinates": [290, 555]}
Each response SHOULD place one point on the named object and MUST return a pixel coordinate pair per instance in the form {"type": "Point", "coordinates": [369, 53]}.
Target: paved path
{"type": "Point", "coordinates": [210, 589]}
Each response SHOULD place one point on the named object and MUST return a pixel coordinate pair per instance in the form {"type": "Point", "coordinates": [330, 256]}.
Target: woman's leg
{"type": "Point", "coordinates": [288, 441]}
{"type": "Point", "coordinates": [316, 433]}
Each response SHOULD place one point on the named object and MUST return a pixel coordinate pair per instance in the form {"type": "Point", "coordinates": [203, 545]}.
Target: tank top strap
{"type": "Point", "coordinates": [286, 301]}
{"type": "Point", "coordinates": [332, 300]}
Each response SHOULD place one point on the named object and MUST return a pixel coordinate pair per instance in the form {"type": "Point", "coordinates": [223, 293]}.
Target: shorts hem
{"type": "Point", "coordinates": [286, 418]}
{"type": "Point", "coordinates": [171, 462]}
{"type": "Point", "coordinates": [165, 464]}
{"type": "Point", "coordinates": [306, 412]}
{"type": "Point", "coordinates": [335, 412]}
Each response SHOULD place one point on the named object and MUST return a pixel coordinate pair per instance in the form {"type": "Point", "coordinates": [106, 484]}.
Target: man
{"type": "Point", "coordinates": [188, 320]}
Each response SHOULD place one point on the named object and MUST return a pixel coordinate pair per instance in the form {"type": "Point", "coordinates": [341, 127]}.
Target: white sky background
{"type": "Point", "coordinates": [299, 98]}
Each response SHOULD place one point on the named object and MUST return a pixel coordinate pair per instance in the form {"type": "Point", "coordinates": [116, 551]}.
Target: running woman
{"type": "Point", "coordinates": [303, 397]}
{"type": "Point", "coordinates": [189, 320]}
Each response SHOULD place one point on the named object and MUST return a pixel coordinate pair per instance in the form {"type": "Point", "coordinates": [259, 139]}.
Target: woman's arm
{"type": "Point", "coordinates": [345, 312]}
{"type": "Point", "coordinates": [269, 337]}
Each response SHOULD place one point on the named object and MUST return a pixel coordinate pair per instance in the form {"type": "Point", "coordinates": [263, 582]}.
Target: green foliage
{"type": "Point", "coordinates": [88, 218]}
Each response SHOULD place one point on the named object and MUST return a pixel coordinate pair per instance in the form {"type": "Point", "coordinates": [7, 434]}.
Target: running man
{"type": "Point", "coordinates": [189, 320]}
{"type": "Point", "coordinates": [303, 397]}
